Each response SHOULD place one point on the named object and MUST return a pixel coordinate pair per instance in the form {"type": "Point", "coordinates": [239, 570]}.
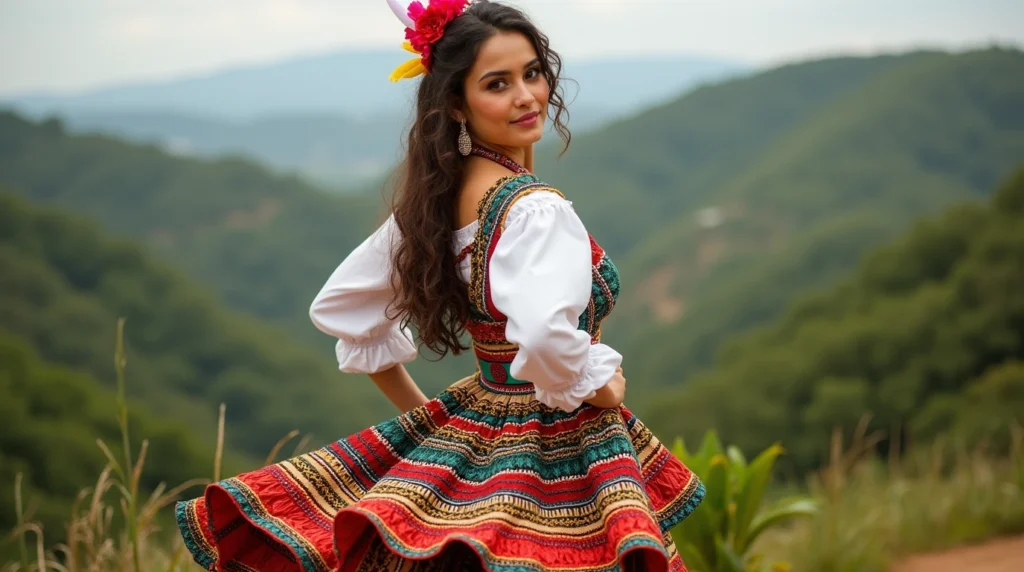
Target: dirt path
{"type": "Point", "coordinates": [1004, 555]}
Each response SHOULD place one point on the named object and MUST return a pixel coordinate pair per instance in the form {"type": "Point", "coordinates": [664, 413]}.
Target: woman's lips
{"type": "Point", "coordinates": [527, 120]}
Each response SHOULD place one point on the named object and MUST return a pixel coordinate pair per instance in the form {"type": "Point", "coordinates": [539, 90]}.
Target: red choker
{"type": "Point", "coordinates": [499, 159]}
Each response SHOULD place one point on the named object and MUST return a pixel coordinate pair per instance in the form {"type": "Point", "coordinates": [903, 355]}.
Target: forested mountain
{"type": "Point", "coordinates": [265, 243]}
{"type": "Point", "coordinates": [64, 284]}
{"type": "Point", "coordinates": [725, 203]}
{"type": "Point", "coordinates": [354, 84]}
{"type": "Point", "coordinates": [636, 176]}
{"type": "Point", "coordinates": [927, 336]}
{"type": "Point", "coordinates": [718, 207]}
{"type": "Point", "coordinates": [335, 118]}
{"type": "Point", "coordinates": [52, 418]}
{"type": "Point", "coordinates": [344, 154]}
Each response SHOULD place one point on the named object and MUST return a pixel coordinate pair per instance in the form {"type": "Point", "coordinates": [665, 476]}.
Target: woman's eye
{"type": "Point", "coordinates": [532, 74]}
{"type": "Point", "coordinates": [497, 84]}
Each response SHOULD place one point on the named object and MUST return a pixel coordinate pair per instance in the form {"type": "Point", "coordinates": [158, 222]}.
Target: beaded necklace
{"type": "Point", "coordinates": [499, 159]}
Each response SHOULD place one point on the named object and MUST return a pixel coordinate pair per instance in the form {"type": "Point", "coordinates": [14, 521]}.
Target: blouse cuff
{"type": "Point", "coordinates": [377, 354]}
{"type": "Point", "coordinates": [601, 365]}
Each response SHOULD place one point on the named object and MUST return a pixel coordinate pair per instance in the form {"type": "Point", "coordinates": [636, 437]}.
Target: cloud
{"type": "Point", "coordinates": [606, 9]}
{"type": "Point", "coordinates": [136, 28]}
{"type": "Point", "coordinates": [80, 43]}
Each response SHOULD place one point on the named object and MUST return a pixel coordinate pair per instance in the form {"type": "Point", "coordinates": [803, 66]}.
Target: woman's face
{"type": "Point", "coordinates": [506, 93]}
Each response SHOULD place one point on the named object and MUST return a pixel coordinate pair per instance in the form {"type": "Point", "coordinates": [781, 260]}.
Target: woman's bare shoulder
{"type": "Point", "coordinates": [475, 186]}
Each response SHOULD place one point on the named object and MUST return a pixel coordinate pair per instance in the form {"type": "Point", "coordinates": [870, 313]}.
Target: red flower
{"type": "Point", "coordinates": [425, 56]}
{"type": "Point", "coordinates": [416, 10]}
{"type": "Point", "coordinates": [430, 24]}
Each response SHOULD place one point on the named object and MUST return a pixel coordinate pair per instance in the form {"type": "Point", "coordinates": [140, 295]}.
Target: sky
{"type": "Point", "coordinates": [73, 45]}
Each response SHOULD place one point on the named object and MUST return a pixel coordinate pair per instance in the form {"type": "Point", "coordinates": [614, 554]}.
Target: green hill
{"type": "Point", "coordinates": [639, 174]}
{"type": "Point", "coordinates": [264, 242]}
{"type": "Point", "coordinates": [727, 202]}
{"type": "Point", "coordinates": [323, 147]}
{"type": "Point", "coordinates": [718, 207]}
{"type": "Point", "coordinates": [927, 336]}
{"type": "Point", "coordinates": [64, 284]}
{"type": "Point", "coordinates": [52, 418]}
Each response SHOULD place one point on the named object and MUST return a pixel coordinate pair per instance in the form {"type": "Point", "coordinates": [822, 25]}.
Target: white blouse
{"type": "Point", "coordinates": [540, 277]}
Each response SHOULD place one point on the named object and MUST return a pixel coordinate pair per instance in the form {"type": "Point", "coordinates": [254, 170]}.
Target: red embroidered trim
{"type": "Point", "coordinates": [464, 253]}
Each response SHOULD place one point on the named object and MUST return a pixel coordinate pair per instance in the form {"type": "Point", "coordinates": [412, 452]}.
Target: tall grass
{"type": "Point", "coordinates": [869, 512]}
{"type": "Point", "coordinates": [112, 525]}
{"type": "Point", "coordinates": [873, 512]}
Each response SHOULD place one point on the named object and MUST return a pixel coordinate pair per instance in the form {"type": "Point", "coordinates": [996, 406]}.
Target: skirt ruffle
{"type": "Point", "coordinates": [482, 477]}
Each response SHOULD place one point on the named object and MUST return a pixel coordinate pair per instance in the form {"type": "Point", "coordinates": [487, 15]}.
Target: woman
{"type": "Point", "coordinates": [529, 464]}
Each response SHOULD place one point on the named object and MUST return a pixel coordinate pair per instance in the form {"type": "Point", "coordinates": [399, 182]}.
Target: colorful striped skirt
{"type": "Point", "coordinates": [483, 477]}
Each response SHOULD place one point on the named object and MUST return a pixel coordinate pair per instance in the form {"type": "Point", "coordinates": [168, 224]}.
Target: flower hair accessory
{"type": "Point", "coordinates": [423, 28]}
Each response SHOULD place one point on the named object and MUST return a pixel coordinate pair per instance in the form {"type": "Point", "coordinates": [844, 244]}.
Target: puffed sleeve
{"type": "Point", "coordinates": [540, 277]}
{"type": "Point", "coordinates": [352, 307]}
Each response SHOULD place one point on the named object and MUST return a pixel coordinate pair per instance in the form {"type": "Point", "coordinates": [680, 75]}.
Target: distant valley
{"type": "Point", "coordinates": [334, 119]}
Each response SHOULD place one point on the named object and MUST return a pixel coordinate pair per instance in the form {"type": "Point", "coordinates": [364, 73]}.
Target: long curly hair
{"type": "Point", "coordinates": [429, 293]}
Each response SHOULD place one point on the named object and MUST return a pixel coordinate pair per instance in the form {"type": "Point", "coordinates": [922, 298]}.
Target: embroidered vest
{"type": "Point", "coordinates": [487, 324]}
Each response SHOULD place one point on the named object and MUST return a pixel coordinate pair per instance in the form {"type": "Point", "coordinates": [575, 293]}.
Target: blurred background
{"type": "Point", "coordinates": [817, 208]}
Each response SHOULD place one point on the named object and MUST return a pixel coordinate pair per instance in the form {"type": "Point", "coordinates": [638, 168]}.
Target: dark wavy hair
{"type": "Point", "coordinates": [429, 293]}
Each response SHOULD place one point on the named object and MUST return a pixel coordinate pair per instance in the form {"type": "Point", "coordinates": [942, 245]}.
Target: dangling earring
{"type": "Point", "coordinates": [465, 143]}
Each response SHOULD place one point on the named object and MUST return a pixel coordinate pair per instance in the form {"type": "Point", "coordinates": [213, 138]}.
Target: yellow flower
{"type": "Point", "coordinates": [411, 68]}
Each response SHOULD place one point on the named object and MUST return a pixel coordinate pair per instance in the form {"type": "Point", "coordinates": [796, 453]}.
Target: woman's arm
{"type": "Point", "coordinates": [399, 387]}
{"type": "Point", "coordinates": [611, 395]}
{"type": "Point", "coordinates": [352, 307]}
{"type": "Point", "coordinates": [540, 278]}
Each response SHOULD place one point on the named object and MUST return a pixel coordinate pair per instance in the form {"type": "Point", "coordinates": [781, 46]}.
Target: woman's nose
{"type": "Point", "coordinates": [524, 96]}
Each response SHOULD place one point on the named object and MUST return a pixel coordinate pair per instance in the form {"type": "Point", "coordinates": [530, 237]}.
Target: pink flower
{"type": "Point", "coordinates": [430, 24]}
{"type": "Point", "coordinates": [416, 9]}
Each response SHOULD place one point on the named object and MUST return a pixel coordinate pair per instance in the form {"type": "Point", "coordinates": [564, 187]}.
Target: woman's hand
{"type": "Point", "coordinates": [611, 395]}
{"type": "Point", "coordinates": [399, 388]}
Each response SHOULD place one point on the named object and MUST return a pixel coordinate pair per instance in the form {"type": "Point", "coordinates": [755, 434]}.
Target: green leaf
{"type": "Point", "coordinates": [710, 447]}
{"type": "Point", "coordinates": [679, 447]}
{"type": "Point", "coordinates": [695, 561]}
{"type": "Point", "coordinates": [727, 560]}
{"type": "Point", "coordinates": [698, 531]}
{"type": "Point", "coordinates": [736, 457]}
{"type": "Point", "coordinates": [751, 493]}
{"type": "Point", "coordinates": [680, 452]}
{"type": "Point", "coordinates": [717, 485]}
{"type": "Point", "coordinates": [780, 511]}
{"type": "Point", "coordinates": [698, 461]}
